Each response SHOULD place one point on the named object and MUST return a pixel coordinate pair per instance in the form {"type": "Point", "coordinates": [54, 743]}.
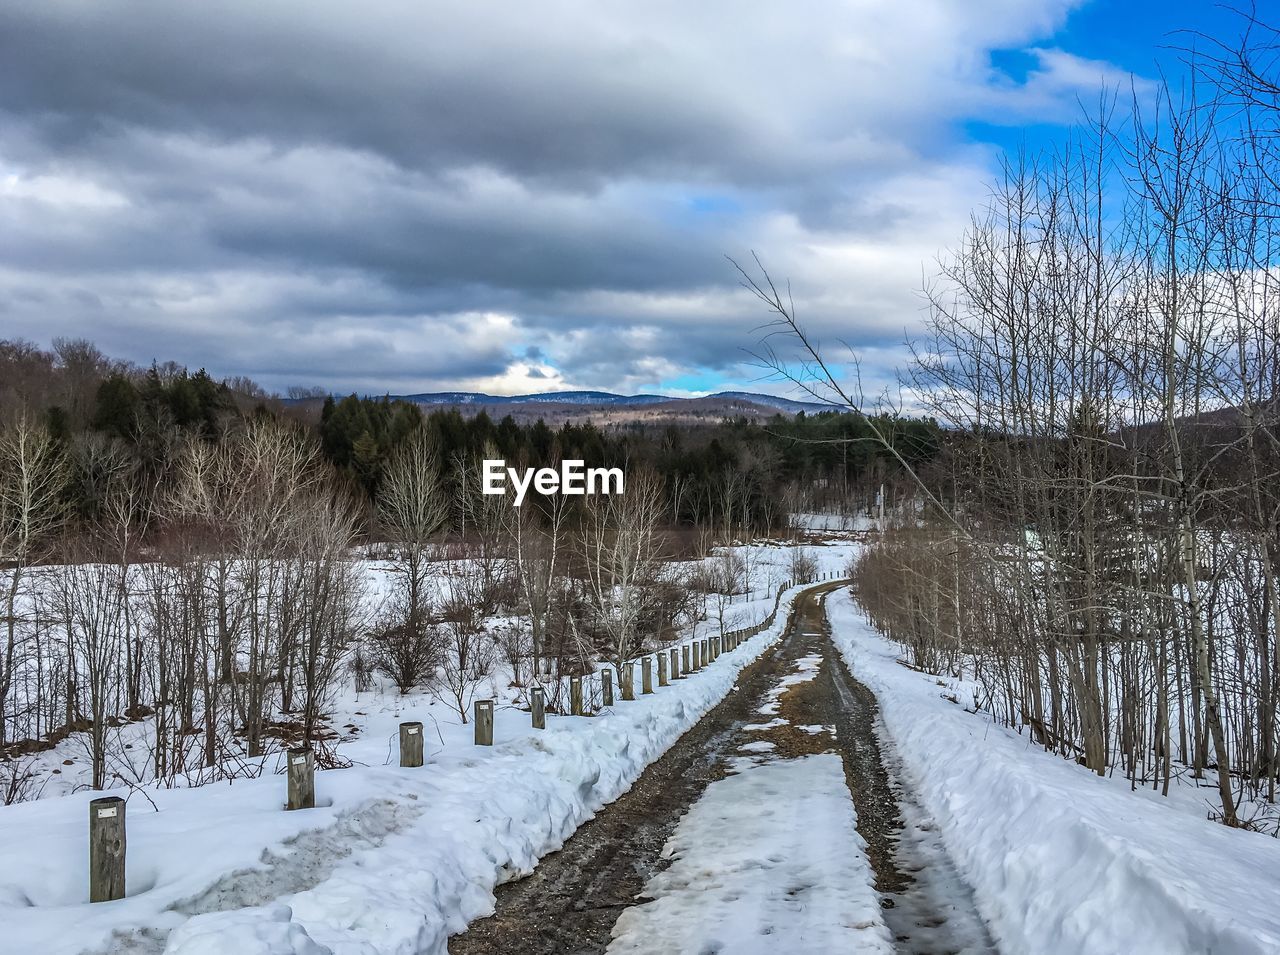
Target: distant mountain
{"type": "Point", "coordinates": [789, 405]}
{"type": "Point", "coordinates": [605, 399]}
{"type": "Point", "coordinates": [547, 397]}
{"type": "Point", "coordinates": [602, 408]}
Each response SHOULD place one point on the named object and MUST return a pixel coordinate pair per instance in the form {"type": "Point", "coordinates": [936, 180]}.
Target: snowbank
{"type": "Point", "coordinates": [1063, 862]}
{"type": "Point", "coordinates": [392, 860]}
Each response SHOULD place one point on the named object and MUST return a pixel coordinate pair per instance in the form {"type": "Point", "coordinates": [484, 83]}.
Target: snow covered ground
{"type": "Point", "coordinates": [1063, 862]}
{"type": "Point", "coordinates": [391, 861]}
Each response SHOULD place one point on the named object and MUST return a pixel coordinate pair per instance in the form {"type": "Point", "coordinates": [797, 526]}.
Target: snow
{"type": "Point", "coordinates": [270, 932]}
{"type": "Point", "coordinates": [768, 859]}
{"type": "Point", "coordinates": [391, 861]}
{"type": "Point", "coordinates": [857, 523]}
{"type": "Point", "coordinates": [1061, 861]}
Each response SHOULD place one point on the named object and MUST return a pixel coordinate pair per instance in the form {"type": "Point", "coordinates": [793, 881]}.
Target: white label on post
{"type": "Point", "coordinates": [299, 760]}
{"type": "Point", "coordinates": [413, 731]}
{"type": "Point", "coordinates": [107, 813]}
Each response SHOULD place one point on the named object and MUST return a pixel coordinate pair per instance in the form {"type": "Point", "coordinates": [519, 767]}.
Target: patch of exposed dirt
{"type": "Point", "coordinates": [801, 704]}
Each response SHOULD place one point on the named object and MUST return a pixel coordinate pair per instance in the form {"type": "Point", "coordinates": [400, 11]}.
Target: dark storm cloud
{"type": "Point", "coordinates": [426, 88]}
{"type": "Point", "coordinates": [410, 196]}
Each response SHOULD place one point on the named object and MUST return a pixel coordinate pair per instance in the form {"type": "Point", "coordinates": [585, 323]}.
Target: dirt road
{"type": "Point", "coordinates": [568, 906]}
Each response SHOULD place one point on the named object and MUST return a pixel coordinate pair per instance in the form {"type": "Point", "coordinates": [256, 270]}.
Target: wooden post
{"type": "Point", "coordinates": [662, 669]}
{"type": "Point", "coordinates": [410, 744]}
{"type": "Point", "coordinates": [706, 654]}
{"type": "Point", "coordinates": [302, 778]}
{"type": "Point", "coordinates": [685, 667]}
{"type": "Point", "coordinates": [606, 687]}
{"type": "Point", "coordinates": [675, 664]}
{"type": "Point", "coordinates": [696, 665]}
{"type": "Point", "coordinates": [575, 695]}
{"type": "Point", "coordinates": [628, 680]}
{"type": "Point", "coordinates": [484, 722]}
{"type": "Point", "coordinates": [538, 707]}
{"type": "Point", "coordinates": [646, 675]}
{"type": "Point", "coordinates": [106, 849]}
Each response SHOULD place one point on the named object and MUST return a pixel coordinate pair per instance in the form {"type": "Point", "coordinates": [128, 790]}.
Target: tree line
{"type": "Point", "coordinates": [192, 568]}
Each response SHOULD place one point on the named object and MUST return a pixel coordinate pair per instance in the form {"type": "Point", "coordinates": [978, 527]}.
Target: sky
{"type": "Point", "coordinates": [399, 197]}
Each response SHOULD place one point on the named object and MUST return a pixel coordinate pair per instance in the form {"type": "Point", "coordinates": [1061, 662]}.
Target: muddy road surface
{"type": "Point", "coordinates": [569, 904]}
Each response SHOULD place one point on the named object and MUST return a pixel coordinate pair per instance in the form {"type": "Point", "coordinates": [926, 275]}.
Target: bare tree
{"type": "Point", "coordinates": [409, 657]}
{"type": "Point", "coordinates": [469, 653]}
{"type": "Point", "coordinates": [32, 476]}
{"type": "Point", "coordinates": [413, 505]}
{"type": "Point", "coordinates": [538, 544]}
{"type": "Point", "coordinates": [91, 597]}
{"type": "Point", "coordinates": [332, 604]}
{"type": "Point", "coordinates": [622, 557]}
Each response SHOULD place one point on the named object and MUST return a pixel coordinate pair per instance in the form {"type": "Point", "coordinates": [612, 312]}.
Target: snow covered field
{"type": "Point", "coordinates": [365, 723]}
{"type": "Point", "coordinates": [857, 523]}
{"type": "Point", "coordinates": [392, 860]}
{"type": "Point", "coordinates": [1063, 862]}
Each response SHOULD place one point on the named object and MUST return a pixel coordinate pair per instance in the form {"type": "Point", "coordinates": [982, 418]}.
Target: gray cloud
{"type": "Point", "coordinates": [408, 196]}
